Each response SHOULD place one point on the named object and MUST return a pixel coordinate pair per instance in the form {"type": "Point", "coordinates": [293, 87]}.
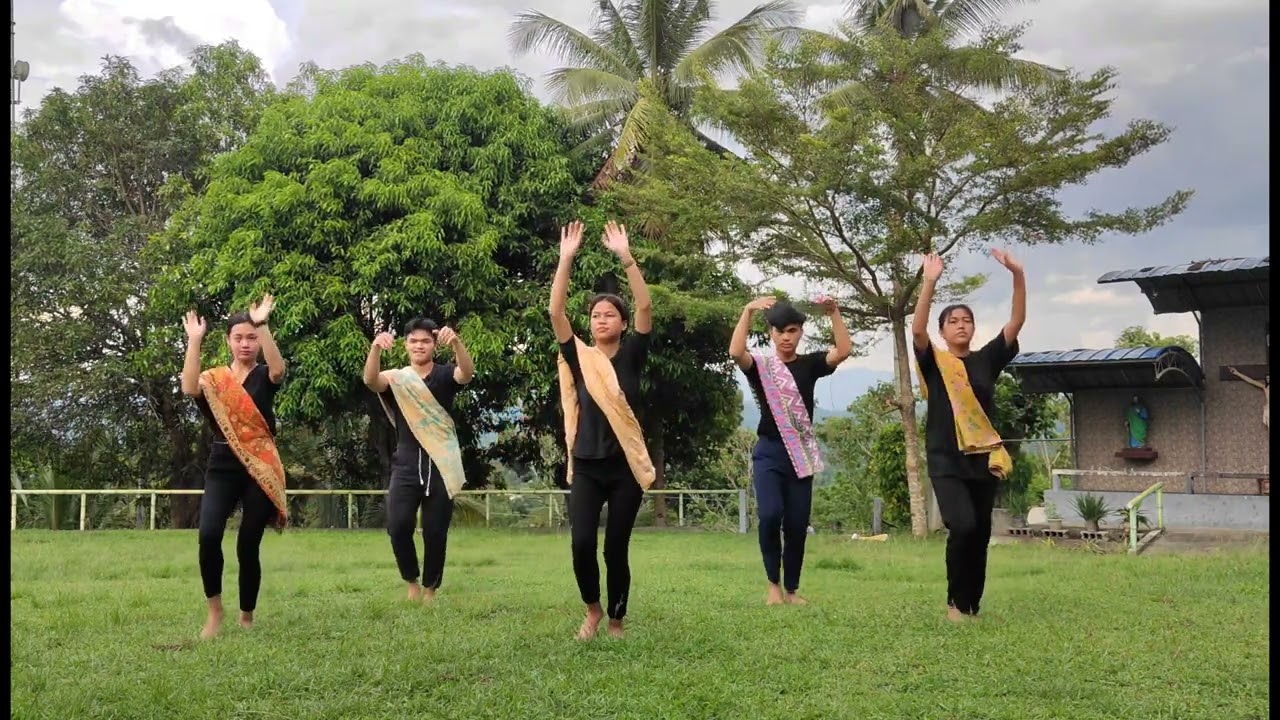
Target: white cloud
{"type": "Point", "coordinates": [1089, 296]}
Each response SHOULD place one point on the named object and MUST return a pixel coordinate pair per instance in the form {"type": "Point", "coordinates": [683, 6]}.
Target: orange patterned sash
{"type": "Point", "coordinates": [247, 434]}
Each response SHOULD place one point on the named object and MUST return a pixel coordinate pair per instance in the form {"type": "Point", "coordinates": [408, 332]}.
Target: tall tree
{"type": "Point", "coordinates": [96, 173]}
{"type": "Point", "coordinates": [389, 193]}
{"type": "Point", "coordinates": [664, 45]}
{"type": "Point", "coordinates": [1136, 336]}
{"type": "Point", "coordinates": [849, 195]}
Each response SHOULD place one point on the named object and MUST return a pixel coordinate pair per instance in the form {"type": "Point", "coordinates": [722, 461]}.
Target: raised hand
{"type": "Point", "coordinates": [615, 238]}
{"type": "Point", "coordinates": [762, 303]}
{"type": "Point", "coordinates": [260, 311]}
{"type": "Point", "coordinates": [384, 341]}
{"type": "Point", "coordinates": [194, 325]}
{"type": "Point", "coordinates": [932, 267]}
{"type": "Point", "coordinates": [1004, 258]}
{"type": "Point", "coordinates": [570, 238]}
{"type": "Point", "coordinates": [446, 336]}
{"type": "Point", "coordinates": [828, 305]}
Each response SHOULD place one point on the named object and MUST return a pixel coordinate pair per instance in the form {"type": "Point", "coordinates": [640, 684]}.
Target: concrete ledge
{"type": "Point", "coordinates": [1234, 512]}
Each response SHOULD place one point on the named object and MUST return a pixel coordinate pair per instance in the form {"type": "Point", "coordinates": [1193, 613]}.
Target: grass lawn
{"type": "Point", "coordinates": [103, 626]}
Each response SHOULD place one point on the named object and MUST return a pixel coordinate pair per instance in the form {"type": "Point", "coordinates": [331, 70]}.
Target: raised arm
{"type": "Point", "coordinates": [195, 327]}
{"type": "Point", "coordinates": [931, 270]}
{"type": "Point", "coordinates": [839, 333]}
{"type": "Point", "coordinates": [1246, 379]}
{"type": "Point", "coordinates": [615, 238]}
{"type": "Point", "coordinates": [1018, 315]}
{"type": "Point", "coordinates": [465, 367]}
{"type": "Point", "coordinates": [570, 239]}
{"type": "Point", "coordinates": [373, 363]}
{"type": "Point", "coordinates": [258, 314]}
{"type": "Point", "coordinates": [738, 343]}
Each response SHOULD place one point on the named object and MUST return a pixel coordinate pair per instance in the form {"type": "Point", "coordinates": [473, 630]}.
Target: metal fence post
{"type": "Point", "coordinates": [153, 511]}
{"type": "Point", "coordinates": [680, 507]}
{"type": "Point", "coordinates": [84, 497]}
{"type": "Point", "coordinates": [486, 508]}
{"type": "Point", "coordinates": [351, 511]}
{"type": "Point", "coordinates": [13, 512]}
{"type": "Point", "coordinates": [877, 515]}
{"type": "Point", "coordinates": [742, 511]}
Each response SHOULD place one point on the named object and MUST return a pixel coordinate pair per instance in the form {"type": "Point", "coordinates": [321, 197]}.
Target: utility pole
{"type": "Point", "coordinates": [19, 70]}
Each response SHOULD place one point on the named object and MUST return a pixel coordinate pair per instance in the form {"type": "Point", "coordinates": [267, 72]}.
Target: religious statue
{"type": "Point", "coordinates": [1137, 419]}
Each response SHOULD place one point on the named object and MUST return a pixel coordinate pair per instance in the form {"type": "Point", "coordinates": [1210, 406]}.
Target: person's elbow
{"type": "Point", "coordinates": [191, 390]}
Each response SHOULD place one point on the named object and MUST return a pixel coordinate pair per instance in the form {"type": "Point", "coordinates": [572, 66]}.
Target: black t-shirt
{"type": "Point", "coordinates": [596, 439]}
{"type": "Point", "coordinates": [941, 447]}
{"type": "Point", "coordinates": [259, 386]}
{"type": "Point", "coordinates": [440, 382]}
{"type": "Point", "coordinates": [806, 369]}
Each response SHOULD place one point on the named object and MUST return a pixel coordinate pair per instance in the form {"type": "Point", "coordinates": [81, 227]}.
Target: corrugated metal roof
{"type": "Point", "coordinates": [1228, 265]}
{"type": "Point", "coordinates": [1059, 357]}
{"type": "Point", "coordinates": [1111, 368]}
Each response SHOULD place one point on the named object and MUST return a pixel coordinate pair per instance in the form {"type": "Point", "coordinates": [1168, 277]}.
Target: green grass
{"type": "Point", "coordinates": [103, 626]}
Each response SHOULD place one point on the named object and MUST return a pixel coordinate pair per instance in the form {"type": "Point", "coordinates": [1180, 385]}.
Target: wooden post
{"type": "Point", "coordinates": [153, 511]}
{"type": "Point", "coordinates": [84, 497]}
{"type": "Point", "coordinates": [351, 511]}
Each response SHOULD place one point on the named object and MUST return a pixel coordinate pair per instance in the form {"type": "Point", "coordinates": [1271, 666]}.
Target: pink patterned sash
{"type": "Point", "coordinates": [795, 427]}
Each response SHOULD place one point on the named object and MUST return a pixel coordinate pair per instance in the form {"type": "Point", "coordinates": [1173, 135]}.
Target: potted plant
{"type": "Point", "coordinates": [1052, 515]}
{"type": "Point", "coordinates": [1092, 509]}
{"type": "Point", "coordinates": [1142, 520]}
{"type": "Point", "coordinates": [1017, 504]}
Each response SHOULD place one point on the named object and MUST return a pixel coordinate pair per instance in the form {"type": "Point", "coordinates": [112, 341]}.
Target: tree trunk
{"type": "Point", "coordinates": [657, 453]}
{"type": "Point", "coordinates": [902, 359]}
{"type": "Point", "coordinates": [184, 510]}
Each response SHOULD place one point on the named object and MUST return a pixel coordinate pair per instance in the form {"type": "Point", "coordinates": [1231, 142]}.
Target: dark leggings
{"type": "Point", "coordinates": [783, 503]}
{"type": "Point", "coordinates": [223, 489]}
{"type": "Point", "coordinates": [596, 482]}
{"type": "Point", "coordinates": [407, 494]}
{"type": "Point", "coordinates": [966, 506]}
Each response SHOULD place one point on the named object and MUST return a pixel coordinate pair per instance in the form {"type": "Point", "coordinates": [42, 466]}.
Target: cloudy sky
{"type": "Point", "coordinates": [1198, 65]}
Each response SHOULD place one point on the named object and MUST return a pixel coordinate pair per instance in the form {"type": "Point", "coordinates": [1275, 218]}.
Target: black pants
{"type": "Point", "coordinates": [783, 504]}
{"type": "Point", "coordinates": [223, 490]}
{"type": "Point", "coordinates": [966, 506]}
{"type": "Point", "coordinates": [409, 492]}
{"type": "Point", "coordinates": [596, 482]}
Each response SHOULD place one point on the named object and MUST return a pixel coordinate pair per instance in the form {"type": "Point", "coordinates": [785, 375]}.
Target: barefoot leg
{"type": "Point", "coordinates": [246, 619]}
{"type": "Point", "coordinates": [773, 596]}
{"type": "Point", "coordinates": [794, 599]}
{"type": "Point", "coordinates": [591, 624]}
{"type": "Point", "coordinates": [214, 621]}
{"type": "Point", "coordinates": [415, 590]}
{"type": "Point", "coordinates": [615, 628]}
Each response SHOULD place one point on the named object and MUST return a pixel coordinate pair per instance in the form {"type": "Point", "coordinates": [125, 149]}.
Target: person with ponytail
{"type": "Point", "coordinates": [965, 455]}
{"type": "Point", "coordinates": [244, 468]}
{"type": "Point", "coordinates": [607, 460]}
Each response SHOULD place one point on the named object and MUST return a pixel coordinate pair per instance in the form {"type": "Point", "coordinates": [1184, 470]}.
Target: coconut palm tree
{"type": "Point", "coordinates": [641, 58]}
{"type": "Point", "coordinates": [911, 18]}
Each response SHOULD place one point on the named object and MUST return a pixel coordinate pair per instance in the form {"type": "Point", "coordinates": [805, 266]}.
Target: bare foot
{"type": "Point", "coordinates": [246, 619]}
{"type": "Point", "coordinates": [774, 595]}
{"type": "Point", "coordinates": [592, 622]}
{"type": "Point", "coordinates": [794, 599]}
{"type": "Point", "coordinates": [214, 622]}
{"type": "Point", "coordinates": [415, 592]}
{"type": "Point", "coordinates": [428, 595]}
{"type": "Point", "coordinates": [956, 616]}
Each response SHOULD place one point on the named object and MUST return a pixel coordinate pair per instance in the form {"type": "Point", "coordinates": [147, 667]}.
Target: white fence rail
{"type": "Point", "coordinates": [352, 494]}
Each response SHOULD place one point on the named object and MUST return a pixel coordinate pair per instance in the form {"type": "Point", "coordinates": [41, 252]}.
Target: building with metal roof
{"type": "Point", "coordinates": [1206, 425]}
